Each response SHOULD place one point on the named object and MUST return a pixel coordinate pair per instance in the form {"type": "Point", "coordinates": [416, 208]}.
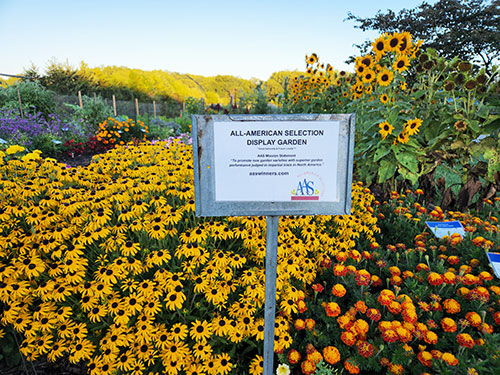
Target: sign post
{"type": "Point", "coordinates": [272, 165]}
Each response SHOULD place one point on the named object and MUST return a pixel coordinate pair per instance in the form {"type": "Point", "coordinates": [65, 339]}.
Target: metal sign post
{"type": "Point", "coordinates": [272, 223]}
{"type": "Point", "coordinates": [272, 165]}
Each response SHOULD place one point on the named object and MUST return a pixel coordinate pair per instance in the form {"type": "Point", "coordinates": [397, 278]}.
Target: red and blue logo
{"type": "Point", "coordinates": [305, 191]}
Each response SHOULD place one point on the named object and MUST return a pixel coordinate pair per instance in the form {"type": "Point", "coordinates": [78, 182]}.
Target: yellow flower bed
{"type": "Point", "coordinates": [108, 264]}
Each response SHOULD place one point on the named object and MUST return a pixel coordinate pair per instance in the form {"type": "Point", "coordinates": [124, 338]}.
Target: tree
{"type": "Point", "coordinates": [469, 29]}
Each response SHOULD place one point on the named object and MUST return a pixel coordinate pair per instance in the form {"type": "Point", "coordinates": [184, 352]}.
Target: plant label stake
{"type": "Point", "coordinates": [272, 165]}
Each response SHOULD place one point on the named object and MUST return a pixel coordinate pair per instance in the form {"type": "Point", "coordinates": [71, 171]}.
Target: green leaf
{"type": "Point", "coordinates": [408, 160]}
{"type": "Point", "coordinates": [386, 170]}
{"type": "Point", "coordinates": [408, 175]}
{"type": "Point", "coordinates": [419, 94]}
{"type": "Point", "coordinates": [457, 144]}
{"type": "Point", "coordinates": [381, 152]}
{"type": "Point", "coordinates": [474, 125]}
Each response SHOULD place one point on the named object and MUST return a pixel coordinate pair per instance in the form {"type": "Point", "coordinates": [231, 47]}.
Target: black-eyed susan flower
{"type": "Point", "coordinates": [200, 330]}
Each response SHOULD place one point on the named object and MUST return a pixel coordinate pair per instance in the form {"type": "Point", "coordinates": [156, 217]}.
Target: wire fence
{"type": "Point", "coordinates": [129, 108]}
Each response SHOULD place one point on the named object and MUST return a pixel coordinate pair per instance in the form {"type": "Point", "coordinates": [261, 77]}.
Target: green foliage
{"type": "Point", "coordinates": [9, 352]}
{"type": "Point", "coordinates": [194, 106]}
{"type": "Point", "coordinates": [34, 97]}
{"type": "Point", "coordinates": [449, 26]}
{"type": "Point", "coordinates": [93, 111]}
{"type": "Point", "coordinates": [323, 368]}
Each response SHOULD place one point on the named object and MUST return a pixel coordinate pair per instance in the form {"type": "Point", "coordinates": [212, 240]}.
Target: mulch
{"type": "Point", "coordinates": [41, 367]}
{"type": "Point", "coordinates": [78, 160]}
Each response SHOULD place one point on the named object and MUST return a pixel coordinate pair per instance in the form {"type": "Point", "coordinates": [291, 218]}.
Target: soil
{"type": "Point", "coordinates": [39, 367]}
{"type": "Point", "coordinates": [78, 160]}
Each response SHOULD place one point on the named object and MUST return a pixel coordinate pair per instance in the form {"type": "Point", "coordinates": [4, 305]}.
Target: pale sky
{"type": "Point", "coordinates": [241, 38]}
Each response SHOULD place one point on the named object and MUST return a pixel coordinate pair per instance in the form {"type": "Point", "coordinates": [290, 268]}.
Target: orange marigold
{"type": "Point", "coordinates": [308, 367]}
{"type": "Point", "coordinates": [338, 290]}
{"type": "Point", "coordinates": [390, 335]}
{"type": "Point", "coordinates": [300, 324]}
{"type": "Point", "coordinates": [396, 369]}
{"type": "Point", "coordinates": [450, 359]}
{"type": "Point", "coordinates": [430, 337]}
{"type": "Point", "coordinates": [331, 354]}
{"type": "Point", "coordinates": [403, 334]}
{"type": "Point", "coordinates": [348, 338]}
{"type": "Point", "coordinates": [373, 314]}
{"type": "Point", "coordinates": [332, 309]}
{"type": "Point", "coordinates": [425, 358]}
{"type": "Point", "coordinates": [315, 357]}
{"type": "Point", "coordinates": [394, 307]}
{"type": "Point", "coordinates": [451, 306]}
{"type": "Point", "coordinates": [351, 366]}
{"type": "Point", "coordinates": [294, 357]}
{"type": "Point", "coordinates": [464, 339]}
{"type": "Point", "coordinates": [361, 306]}
{"type": "Point", "coordinates": [448, 325]}
{"type": "Point", "coordinates": [310, 324]}
{"type": "Point", "coordinates": [365, 349]}
{"type": "Point", "coordinates": [435, 279]}
{"type": "Point", "coordinates": [361, 326]}
{"type": "Point", "coordinates": [473, 318]}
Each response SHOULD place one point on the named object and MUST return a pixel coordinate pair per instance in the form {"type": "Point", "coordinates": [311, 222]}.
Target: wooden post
{"type": "Point", "coordinates": [232, 98]}
{"type": "Point", "coordinates": [95, 98]}
{"type": "Point", "coordinates": [136, 107]}
{"type": "Point", "coordinates": [20, 103]}
{"type": "Point", "coordinates": [80, 98]}
{"type": "Point", "coordinates": [154, 109]}
{"type": "Point", "coordinates": [114, 105]}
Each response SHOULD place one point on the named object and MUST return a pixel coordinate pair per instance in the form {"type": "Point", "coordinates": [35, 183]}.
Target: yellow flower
{"type": "Point", "coordinates": [385, 129]}
{"type": "Point", "coordinates": [412, 126]}
{"type": "Point", "coordinates": [385, 77]}
{"type": "Point", "coordinates": [14, 149]}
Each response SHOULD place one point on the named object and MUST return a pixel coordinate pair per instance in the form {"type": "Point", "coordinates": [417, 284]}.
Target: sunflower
{"type": "Point", "coordinates": [369, 76]}
{"type": "Point", "coordinates": [405, 45]}
{"type": "Point", "coordinates": [412, 127]}
{"type": "Point", "coordinates": [380, 47]}
{"type": "Point", "coordinates": [311, 59]}
{"type": "Point", "coordinates": [401, 63]}
{"type": "Point", "coordinates": [385, 129]}
{"type": "Point", "coordinates": [384, 98]}
{"type": "Point", "coordinates": [393, 41]}
{"type": "Point", "coordinates": [360, 69]}
{"type": "Point", "coordinates": [403, 137]}
{"type": "Point", "coordinates": [385, 77]}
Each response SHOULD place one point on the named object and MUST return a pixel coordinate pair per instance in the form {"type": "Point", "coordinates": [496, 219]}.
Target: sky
{"type": "Point", "coordinates": [248, 39]}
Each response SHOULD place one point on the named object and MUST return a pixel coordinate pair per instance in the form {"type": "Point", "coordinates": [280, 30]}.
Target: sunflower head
{"type": "Point", "coordinates": [311, 59]}
{"type": "Point", "coordinates": [385, 129]}
{"type": "Point", "coordinates": [394, 41]}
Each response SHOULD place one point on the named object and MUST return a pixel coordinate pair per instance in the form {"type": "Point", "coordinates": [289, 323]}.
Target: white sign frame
{"type": "Point", "coordinates": [206, 157]}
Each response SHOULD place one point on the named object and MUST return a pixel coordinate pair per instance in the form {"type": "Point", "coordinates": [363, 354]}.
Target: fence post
{"type": "Point", "coordinates": [154, 109]}
{"type": "Point", "coordinates": [20, 103]}
{"type": "Point", "coordinates": [137, 107]}
{"type": "Point", "coordinates": [95, 98]}
{"type": "Point", "coordinates": [114, 105]}
{"type": "Point", "coordinates": [80, 98]}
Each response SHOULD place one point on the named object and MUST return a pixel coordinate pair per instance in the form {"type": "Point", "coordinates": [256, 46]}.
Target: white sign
{"type": "Point", "coordinates": [276, 161]}
{"type": "Point", "coordinates": [494, 259]}
{"type": "Point", "coordinates": [446, 228]}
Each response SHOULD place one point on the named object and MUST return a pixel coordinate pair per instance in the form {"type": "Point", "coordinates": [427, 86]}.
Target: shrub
{"type": "Point", "coordinates": [34, 97]}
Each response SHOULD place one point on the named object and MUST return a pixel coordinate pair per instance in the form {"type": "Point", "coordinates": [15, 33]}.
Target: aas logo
{"type": "Point", "coordinates": [305, 191]}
